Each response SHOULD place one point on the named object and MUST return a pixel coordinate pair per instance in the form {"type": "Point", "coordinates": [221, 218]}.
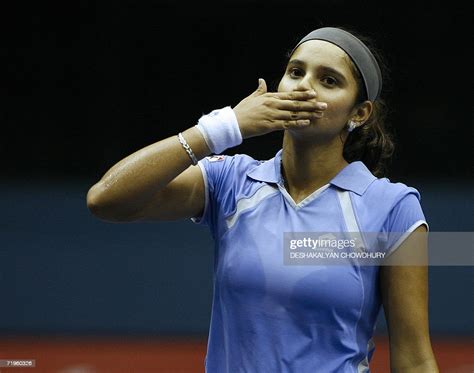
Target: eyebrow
{"type": "Point", "coordinates": [323, 67]}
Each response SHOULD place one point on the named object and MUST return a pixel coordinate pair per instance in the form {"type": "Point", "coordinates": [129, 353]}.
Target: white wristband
{"type": "Point", "coordinates": [220, 129]}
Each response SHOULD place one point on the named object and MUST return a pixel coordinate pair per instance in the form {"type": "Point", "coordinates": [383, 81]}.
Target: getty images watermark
{"type": "Point", "coordinates": [376, 249]}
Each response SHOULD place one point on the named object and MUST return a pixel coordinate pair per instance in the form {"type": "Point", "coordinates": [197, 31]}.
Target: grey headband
{"type": "Point", "coordinates": [357, 51]}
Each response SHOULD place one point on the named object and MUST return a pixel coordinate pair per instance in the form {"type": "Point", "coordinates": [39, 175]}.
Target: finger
{"type": "Point", "coordinates": [263, 85]}
{"type": "Point", "coordinates": [299, 105]}
{"type": "Point", "coordinates": [261, 89]}
{"type": "Point", "coordinates": [287, 124]}
{"type": "Point", "coordinates": [295, 95]}
{"type": "Point", "coordinates": [297, 115]}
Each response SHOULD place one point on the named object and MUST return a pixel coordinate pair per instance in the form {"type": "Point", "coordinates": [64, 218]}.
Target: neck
{"type": "Point", "coordinates": [308, 165]}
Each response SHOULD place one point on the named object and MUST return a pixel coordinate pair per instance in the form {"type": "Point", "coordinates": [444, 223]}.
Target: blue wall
{"type": "Point", "coordinates": [64, 271]}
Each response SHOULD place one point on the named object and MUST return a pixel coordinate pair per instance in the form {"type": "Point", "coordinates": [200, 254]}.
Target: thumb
{"type": "Point", "coordinates": [262, 88]}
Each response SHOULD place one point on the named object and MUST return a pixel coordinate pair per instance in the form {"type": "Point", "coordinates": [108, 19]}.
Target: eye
{"type": "Point", "coordinates": [330, 81]}
{"type": "Point", "coordinates": [295, 72]}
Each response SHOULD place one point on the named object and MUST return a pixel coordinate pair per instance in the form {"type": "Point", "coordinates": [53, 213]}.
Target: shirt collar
{"type": "Point", "coordinates": [355, 177]}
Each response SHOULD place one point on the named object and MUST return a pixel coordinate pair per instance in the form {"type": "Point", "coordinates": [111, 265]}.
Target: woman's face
{"type": "Point", "coordinates": [325, 68]}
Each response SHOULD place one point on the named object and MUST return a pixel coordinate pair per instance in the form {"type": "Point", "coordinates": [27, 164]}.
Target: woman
{"type": "Point", "coordinates": [268, 316]}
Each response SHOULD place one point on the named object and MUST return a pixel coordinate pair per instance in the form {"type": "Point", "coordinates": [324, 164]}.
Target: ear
{"type": "Point", "coordinates": [362, 112]}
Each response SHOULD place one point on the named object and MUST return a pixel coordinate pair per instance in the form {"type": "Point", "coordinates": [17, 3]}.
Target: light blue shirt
{"type": "Point", "coordinates": [271, 317]}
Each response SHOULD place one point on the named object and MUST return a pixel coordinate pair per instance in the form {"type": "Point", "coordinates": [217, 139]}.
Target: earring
{"type": "Point", "coordinates": [351, 125]}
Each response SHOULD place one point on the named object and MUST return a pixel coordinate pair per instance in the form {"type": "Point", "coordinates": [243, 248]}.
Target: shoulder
{"type": "Point", "coordinates": [225, 182]}
{"type": "Point", "coordinates": [235, 160]}
{"type": "Point", "coordinates": [386, 205]}
{"type": "Point", "coordinates": [383, 190]}
{"type": "Point", "coordinates": [237, 164]}
{"type": "Point", "coordinates": [223, 172]}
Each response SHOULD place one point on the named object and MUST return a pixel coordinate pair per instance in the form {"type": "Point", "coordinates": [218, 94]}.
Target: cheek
{"type": "Point", "coordinates": [338, 112]}
{"type": "Point", "coordinates": [285, 85]}
{"type": "Point", "coordinates": [339, 102]}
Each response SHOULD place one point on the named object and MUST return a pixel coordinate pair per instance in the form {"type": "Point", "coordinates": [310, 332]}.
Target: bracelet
{"type": "Point", "coordinates": [188, 149]}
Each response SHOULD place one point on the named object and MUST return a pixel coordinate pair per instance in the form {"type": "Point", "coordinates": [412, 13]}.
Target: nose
{"type": "Point", "coordinates": [303, 84]}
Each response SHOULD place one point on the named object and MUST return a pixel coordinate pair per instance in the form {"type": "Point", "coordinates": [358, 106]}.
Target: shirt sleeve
{"type": "Point", "coordinates": [203, 218]}
{"type": "Point", "coordinates": [218, 175]}
{"type": "Point", "coordinates": [403, 219]}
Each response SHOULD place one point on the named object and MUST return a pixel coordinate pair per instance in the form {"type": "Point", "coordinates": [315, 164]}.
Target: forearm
{"type": "Point", "coordinates": [130, 184]}
{"type": "Point", "coordinates": [427, 366]}
{"type": "Point", "coordinates": [413, 359]}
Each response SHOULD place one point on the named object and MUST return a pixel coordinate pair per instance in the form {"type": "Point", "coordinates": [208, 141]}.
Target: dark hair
{"type": "Point", "coordinates": [372, 143]}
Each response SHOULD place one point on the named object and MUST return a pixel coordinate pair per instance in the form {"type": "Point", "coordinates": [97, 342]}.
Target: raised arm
{"type": "Point", "coordinates": [157, 175]}
{"type": "Point", "coordinates": [158, 181]}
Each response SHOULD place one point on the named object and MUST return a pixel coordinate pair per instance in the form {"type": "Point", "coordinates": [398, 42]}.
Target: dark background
{"type": "Point", "coordinates": [87, 83]}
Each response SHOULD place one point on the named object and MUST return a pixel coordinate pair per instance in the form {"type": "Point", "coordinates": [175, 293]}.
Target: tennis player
{"type": "Point", "coordinates": [269, 315]}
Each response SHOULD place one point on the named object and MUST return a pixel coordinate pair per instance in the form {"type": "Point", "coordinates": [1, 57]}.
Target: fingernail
{"type": "Point", "coordinates": [312, 93]}
{"type": "Point", "coordinates": [323, 105]}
